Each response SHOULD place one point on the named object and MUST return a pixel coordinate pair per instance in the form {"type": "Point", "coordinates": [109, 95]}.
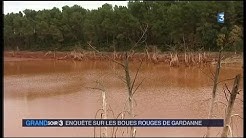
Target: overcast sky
{"type": "Point", "coordinates": [16, 6]}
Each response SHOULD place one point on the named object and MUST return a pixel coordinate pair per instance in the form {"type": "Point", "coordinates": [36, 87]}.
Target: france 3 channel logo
{"type": "Point", "coordinates": [42, 123]}
{"type": "Point", "coordinates": [220, 17]}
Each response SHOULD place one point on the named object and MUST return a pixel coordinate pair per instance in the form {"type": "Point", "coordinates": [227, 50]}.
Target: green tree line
{"type": "Point", "coordinates": [179, 24]}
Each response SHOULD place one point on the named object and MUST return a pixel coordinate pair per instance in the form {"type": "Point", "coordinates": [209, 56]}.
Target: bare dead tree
{"type": "Point", "coordinates": [147, 53]}
{"type": "Point", "coordinates": [54, 56]}
{"type": "Point", "coordinates": [216, 77]}
{"type": "Point", "coordinates": [174, 61]}
{"type": "Point", "coordinates": [185, 51]}
{"type": "Point", "coordinates": [233, 95]}
{"type": "Point", "coordinates": [104, 114]}
{"type": "Point", "coordinates": [130, 83]}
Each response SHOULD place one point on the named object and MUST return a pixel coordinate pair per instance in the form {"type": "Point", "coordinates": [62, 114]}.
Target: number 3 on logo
{"type": "Point", "coordinates": [220, 17]}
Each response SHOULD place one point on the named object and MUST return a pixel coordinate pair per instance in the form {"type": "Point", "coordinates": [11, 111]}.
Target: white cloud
{"type": "Point", "coordinates": [16, 6]}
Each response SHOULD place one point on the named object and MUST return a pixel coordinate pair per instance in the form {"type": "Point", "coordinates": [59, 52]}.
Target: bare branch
{"type": "Point", "coordinates": [105, 55]}
{"type": "Point", "coordinates": [226, 80]}
{"type": "Point", "coordinates": [229, 109]}
{"type": "Point", "coordinates": [93, 48]}
{"type": "Point", "coordinates": [239, 91]}
{"type": "Point", "coordinates": [227, 88]}
{"type": "Point", "coordinates": [236, 115]}
{"type": "Point", "coordinates": [143, 34]}
{"type": "Point", "coordinates": [136, 75]}
{"type": "Point", "coordinates": [121, 78]}
{"type": "Point", "coordinates": [230, 130]}
{"type": "Point", "coordinates": [137, 87]}
{"type": "Point", "coordinates": [225, 96]}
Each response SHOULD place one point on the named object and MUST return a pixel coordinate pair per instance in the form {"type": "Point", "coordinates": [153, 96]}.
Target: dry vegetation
{"type": "Point", "coordinates": [174, 59]}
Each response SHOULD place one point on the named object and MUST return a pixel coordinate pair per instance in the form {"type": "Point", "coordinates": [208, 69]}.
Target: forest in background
{"type": "Point", "coordinates": [179, 26]}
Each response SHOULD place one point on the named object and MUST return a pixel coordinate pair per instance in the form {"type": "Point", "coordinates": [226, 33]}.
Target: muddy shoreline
{"type": "Point", "coordinates": [207, 57]}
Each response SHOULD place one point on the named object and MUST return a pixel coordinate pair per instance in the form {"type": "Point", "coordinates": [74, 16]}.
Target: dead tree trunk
{"type": "Point", "coordinates": [104, 107]}
{"type": "Point", "coordinates": [204, 57]}
{"type": "Point", "coordinates": [104, 115]}
{"type": "Point", "coordinates": [185, 56]}
{"type": "Point", "coordinates": [174, 59]}
{"type": "Point", "coordinates": [171, 59]}
{"type": "Point", "coordinates": [147, 53]}
{"type": "Point", "coordinates": [130, 93]}
{"type": "Point", "coordinates": [115, 56]}
{"type": "Point", "coordinates": [188, 58]}
{"type": "Point", "coordinates": [193, 58]}
{"type": "Point", "coordinates": [54, 54]}
{"type": "Point", "coordinates": [234, 93]}
{"type": "Point", "coordinates": [199, 58]}
{"type": "Point", "coordinates": [216, 77]}
{"type": "Point", "coordinates": [154, 57]}
{"type": "Point", "coordinates": [127, 80]}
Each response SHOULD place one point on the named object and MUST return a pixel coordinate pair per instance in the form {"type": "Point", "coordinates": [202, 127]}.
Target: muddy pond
{"type": "Point", "coordinates": [62, 89]}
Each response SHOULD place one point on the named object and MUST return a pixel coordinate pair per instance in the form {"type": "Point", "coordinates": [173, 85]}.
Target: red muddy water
{"type": "Point", "coordinates": [60, 89]}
